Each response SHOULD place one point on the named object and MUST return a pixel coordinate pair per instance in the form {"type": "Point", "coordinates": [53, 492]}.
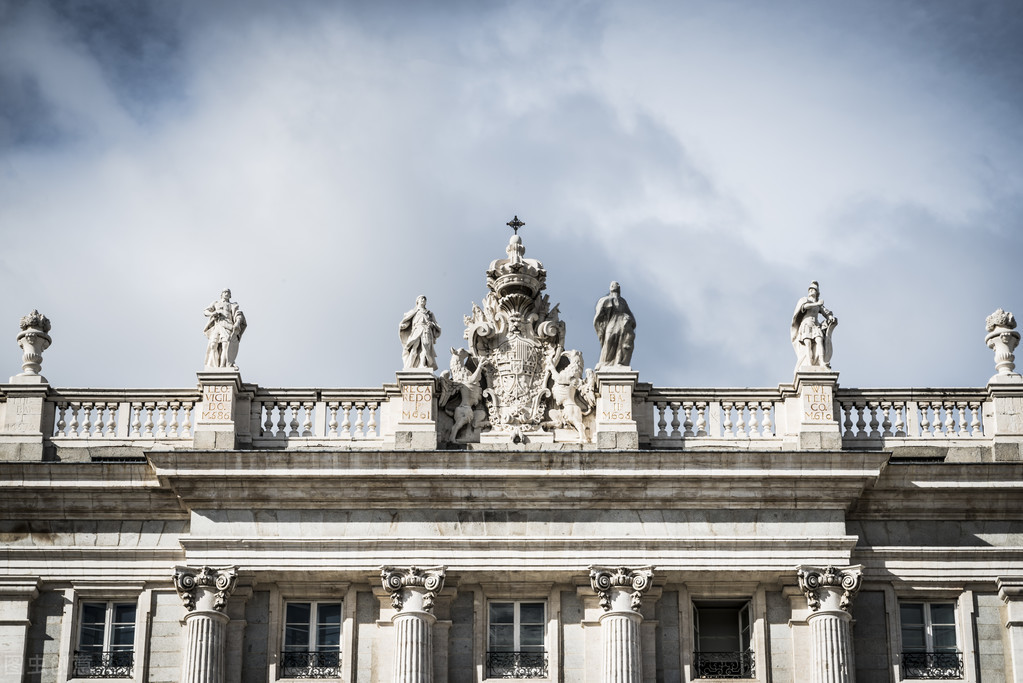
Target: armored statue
{"type": "Point", "coordinates": [616, 329]}
{"type": "Point", "coordinates": [811, 337]}
{"type": "Point", "coordinates": [464, 384]}
{"type": "Point", "coordinates": [418, 332]}
{"type": "Point", "coordinates": [510, 338]}
{"type": "Point", "coordinates": [574, 395]}
{"type": "Point", "coordinates": [224, 329]}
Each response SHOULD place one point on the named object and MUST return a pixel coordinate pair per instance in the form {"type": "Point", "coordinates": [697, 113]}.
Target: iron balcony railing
{"type": "Point", "coordinates": [104, 664]}
{"type": "Point", "coordinates": [310, 663]}
{"type": "Point", "coordinates": [516, 665]}
{"type": "Point", "coordinates": [932, 665]}
{"type": "Point", "coordinates": [724, 664]}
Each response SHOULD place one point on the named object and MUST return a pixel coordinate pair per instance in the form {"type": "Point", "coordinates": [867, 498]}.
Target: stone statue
{"type": "Point", "coordinates": [459, 380]}
{"type": "Point", "coordinates": [811, 337]}
{"type": "Point", "coordinates": [224, 329]}
{"type": "Point", "coordinates": [33, 339]}
{"type": "Point", "coordinates": [1002, 338]}
{"type": "Point", "coordinates": [616, 329]}
{"type": "Point", "coordinates": [418, 332]}
{"type": "Point", "coordinates": [574, 394]}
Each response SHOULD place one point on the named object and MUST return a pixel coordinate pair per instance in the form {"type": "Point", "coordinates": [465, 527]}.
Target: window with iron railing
{"type": "Point", "coordinates": [106, 640]}
{"type": "Point", "coordinates": [312, 640]}
{"type": "Point", "coordinates": [722, 639]}
{"type": "Point", "coordinates": [516, 639]}
{"type": "Point", "coordinates": [930, 641]}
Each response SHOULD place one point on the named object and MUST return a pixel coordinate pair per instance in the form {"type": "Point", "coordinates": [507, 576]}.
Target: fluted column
{"type": "Point", "coordinates": [205, 592]}
{"type": "Point", "coordinates": [413, 591]}
{"type": "Point", "coordinates": [621, 590]}
{"type": "Point", "coordinates": [829, 592]}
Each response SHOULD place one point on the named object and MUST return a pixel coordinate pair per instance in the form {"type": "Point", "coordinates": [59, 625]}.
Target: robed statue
{"type": "Point", "coordinates": [224, 330]}
{"type": "Point", "coordinates": [418, 333]}
{"type": "Point", "coordinates": [812, 327]}
{"type": "Point", "coordinates": [616, 329]}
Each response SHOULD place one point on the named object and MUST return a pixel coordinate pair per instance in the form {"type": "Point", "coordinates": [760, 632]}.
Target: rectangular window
{"type": "Point", "coordinates": [312, 640]}
{"type": "Point", "coordinates": [930, 645]}
{"type": "Point", "coordinates": [722, 638]}
{"type": "Point", "coordinates": [106, 640]}
{"type": "Point", "coordinates": [516, 640]}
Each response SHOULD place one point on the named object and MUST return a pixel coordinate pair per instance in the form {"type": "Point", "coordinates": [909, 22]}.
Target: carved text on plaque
{"type": "Point", "coordinates": [217, 403]}
{"type": "Point", "coordinates": [615, 402]}
{"type": "Point", "coordinates": [417, 403]}
{"type": "Point", "coordinates": [818, 403]}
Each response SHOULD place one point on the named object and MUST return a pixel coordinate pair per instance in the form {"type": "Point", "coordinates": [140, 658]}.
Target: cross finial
{"type": "Point", "coordinates": [515, 224]}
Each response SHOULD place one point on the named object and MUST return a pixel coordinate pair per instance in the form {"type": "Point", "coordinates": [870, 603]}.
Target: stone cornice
{"type": "Point", "coordinates": [494, 480]}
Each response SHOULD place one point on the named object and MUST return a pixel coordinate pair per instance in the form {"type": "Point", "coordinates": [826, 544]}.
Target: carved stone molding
{"type": "Point", "coordinates": [831, 588]}
{"type": "Point", "coordinates": [206, 588]}
{"type": "Point", "coordinates": [414, 588]}
{"type": "Point", "coordinates": [614, 584]}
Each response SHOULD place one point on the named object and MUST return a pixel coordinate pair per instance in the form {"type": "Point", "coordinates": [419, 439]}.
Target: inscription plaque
{"type": "Point", "coordinates": [416, 403]}
{"type": "Point", "coordinates": [217, 403]}
{"type": "Point", "coordinates": [818, 403]}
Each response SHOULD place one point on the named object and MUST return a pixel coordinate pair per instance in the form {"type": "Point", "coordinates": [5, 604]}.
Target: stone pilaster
{"type": "Point", "coordinates": [829, 592]}
{"type": "Point", "coordinates": [1010, 590]}
{"type": "Point", "coordinates": [621, 590]}
{"type": "Point", "coordinates": [16, 596]}
{"type": "Point", "coordinates": [416, 413]}
{"type": "Point", "coordinates": [615, 422]}
{"type": "Point", "coordinates": [205, 592]}
{"type": "Point", "coordinates": [413, 591]}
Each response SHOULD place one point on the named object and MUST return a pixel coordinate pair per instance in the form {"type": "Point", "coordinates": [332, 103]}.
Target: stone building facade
{"type": "Point", "coordinates": [513, 517]}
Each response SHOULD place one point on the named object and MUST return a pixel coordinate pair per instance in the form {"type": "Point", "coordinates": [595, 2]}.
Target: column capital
{"type": "Point", "coordinates": [413, 589]}
{"type": "Point", "coordinates": [829, 589]}
{"type": "Point", "coordinates": [621, 589]}
{"type": "Point", "coordinates": [205, 589]}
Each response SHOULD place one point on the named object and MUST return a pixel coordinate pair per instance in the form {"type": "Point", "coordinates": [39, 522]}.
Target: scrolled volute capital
{"type": "Point", "coordinates": [615, 585]}
{"type": "Point", "coordinates": [413, 588]}
{"type": "Point", "coordinates": [206, 588]}
{"type": "Point", "coordinates": [829, 588]}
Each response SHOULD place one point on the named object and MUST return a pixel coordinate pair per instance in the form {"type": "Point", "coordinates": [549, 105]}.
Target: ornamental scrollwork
{"type": "Point", "coordinates": [816, 582]}
{"type": "Point", "coordinates": [428, 580]}
{"type": "Point", "coordinates": [604, 581]}
{"type": "Point", "coordinates": [195, 584]}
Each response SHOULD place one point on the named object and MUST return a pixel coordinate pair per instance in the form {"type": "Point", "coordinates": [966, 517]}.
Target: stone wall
{"type": "Point", "coordinates": [667, 656]}
{"type": "Point", "coordinates": [42, 662]}
{"type": "Point", "coordinates": [991, 659]}
{"type": "Point", "coordinates": [254, 660]}
{"type": "Point", "coordinates": [871, 638]}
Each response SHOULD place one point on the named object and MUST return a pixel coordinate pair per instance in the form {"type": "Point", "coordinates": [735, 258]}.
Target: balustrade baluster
{"type": "Point", "coordinates": [847, 424]}
{"type": "Point", "coordinates": [307, 423]}
{"type": "Point", "coordinates": [294, 405]}
{"type": "Point", "coordinates": [886, 422]}
{"type": "Point", "coordinates": [962, 426]}
{"type": "Point", "coordinates": [186, 425]}
{"type": "Point", "coordinates": [925, 423]}
{"type": "Point", "coordinates": [687, 424]}
{"type": "Point", "coordinates": [701, 418]}
{"type": "Point", "coordinates": [112, 423]}
{"type": "Point", "coordinates": [900, 422]}
{"type": "Point", "coordinates": [346, 422]}
{"type": "Point", "coordinates": [726, 413]}
{"type": "Point", "coordinates": [61, 424]}
{"type": "Point", "coordinates": [950, 423]}
{"type": "Point", "coordinates": [268, 423]}
{"type": "Point", "coordinates": [861, 419]}
{"type": "Point", "coordinates": [872, 408]}
{"type": "Point", "coordinates": [975, 426]}
{"type": "Point", "coordinates": [740, 419]}
{"type": "Point", "coordinates": [282, 407]}
{"type": "Point", "coordinates": [99, 424]}
{"type": "Point", "coordinates": [359, 424]}
{"type": "Point", "coordinates": [86, 420]}
{"type": "Point", "coordinates": [161, 422]}
{"type": "Point", "coordinates": [662, 423]}
{"type": "Point", "coordinates": [332, 423]}
{"type": "Point", "coordinates": [372, 426]}
{"type": "Point", "coordinates": [148, 426]}
{"type": "Point", "coordinates": [72, 428]}
{"type": "Point", "coordinates": [136, 419]}
{"type": "Point", "coordinates": [767, 423]}
{"type": "Point", "coordinates": [172, 429]}
{"type": "Point", "coordinates": [675, 424]}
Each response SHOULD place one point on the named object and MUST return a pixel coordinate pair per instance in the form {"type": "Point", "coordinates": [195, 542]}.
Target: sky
{"type": "Point", "coordinates": [331, 161]}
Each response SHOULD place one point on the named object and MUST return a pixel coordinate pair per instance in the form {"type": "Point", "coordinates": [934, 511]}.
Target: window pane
{"type": "Point", "coordinates": [94, 613]}
{"type": "Point", "coordinates": [502, 613]}
{"type": "Point", "coordinates": [530, 636]}
{"type": "Point", "coordinates": [329, 612]}
{"type": "Point", "coordinates": [911, 614]}
{"type": "Point", "coordinates": [913, 638]}
{"type": "Point", "coordinates": [92, 636]}
{"type": "Point", "coordinates": [531, 613]}
{"type": "Point", "coordinates": [124, 614]}
{"type": "Point", "coordinates": [328, 636]}
{"type": "Point", "coordinates": [943, 614]}
{"type": "Point", "coordinates": [296, 636]}
{"type": "Point", "coordinates": [944, 637]}
{"type": "Point", "coordinates": [502, 637]}
{"type": "Point", "coordinates": [124, 634]}
{"type": "Point", "coordinates": [297, 613]}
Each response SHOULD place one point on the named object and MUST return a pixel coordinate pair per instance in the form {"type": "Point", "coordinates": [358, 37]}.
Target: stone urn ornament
{"type": "Point", "coordinates": [33, 340]}
{"type": "Point", "coordinates": [1002, 338]}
